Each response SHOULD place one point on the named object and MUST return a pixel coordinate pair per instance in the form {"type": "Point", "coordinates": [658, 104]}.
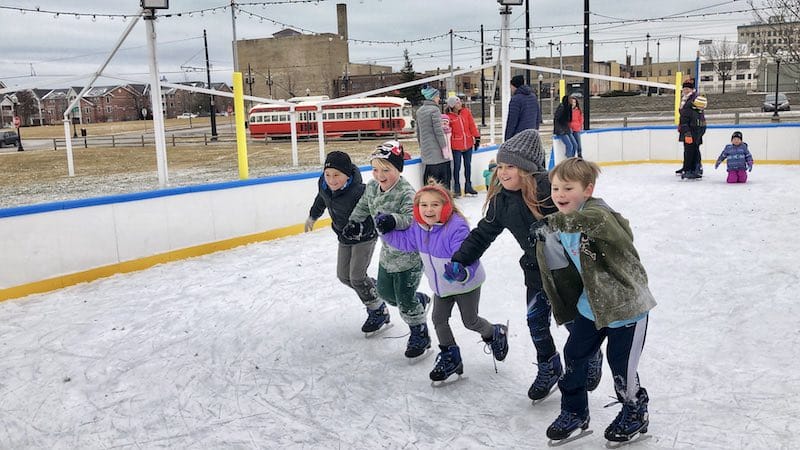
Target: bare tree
{"type": "Point", "coordinates": [723, 56]}
{"type": "Point", "coordinates": [782, 17]}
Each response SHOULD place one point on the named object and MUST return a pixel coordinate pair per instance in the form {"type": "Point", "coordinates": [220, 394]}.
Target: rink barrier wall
{"type": "Point", "coordinates": [54, 245]}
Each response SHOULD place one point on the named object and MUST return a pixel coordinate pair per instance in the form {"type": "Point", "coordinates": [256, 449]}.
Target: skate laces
{"type": "Point", "coordinates": [543, 375]}
{"type": "Point", "coordinates": [417, 339]}
{"type": "Point", "coordinates": [567, 420]}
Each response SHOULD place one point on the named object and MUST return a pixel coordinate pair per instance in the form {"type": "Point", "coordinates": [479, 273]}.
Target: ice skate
{"type": "Point", "coordinates": [469, 192]}
{"type": "Point", "coordinates": [418, 342]}
{"type": "Point", "coordinates": [448, 362]}
{"type": "Point", "coordinates": [377, 321]}
{"type": "Point", "coordinates": [546, 378]}
{"type": "Point", "coordinates": [498, 343]}
{"type": "Point", "coordinates": [561, 430]}
{"type": "Point", "coordinates": [595, 372]}
{"type": "Point", "coordinates": [632, 421]}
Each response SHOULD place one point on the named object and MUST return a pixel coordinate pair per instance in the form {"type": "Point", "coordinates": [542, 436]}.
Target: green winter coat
{"type": "Point", "coordinates": [399, 202]}
{"type": "Point", "coordinates": [612, 274]}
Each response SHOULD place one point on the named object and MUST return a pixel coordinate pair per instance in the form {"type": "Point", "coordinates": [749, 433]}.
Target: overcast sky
{"type": "Point", "coordinates": [56, 47]}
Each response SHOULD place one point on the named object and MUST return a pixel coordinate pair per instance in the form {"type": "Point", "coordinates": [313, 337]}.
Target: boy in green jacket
{"type": "Point", "coordinates": [597, 285]}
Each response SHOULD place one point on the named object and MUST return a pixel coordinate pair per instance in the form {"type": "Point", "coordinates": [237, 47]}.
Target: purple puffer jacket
{"type": "Point", "coordinates": [435, 246]}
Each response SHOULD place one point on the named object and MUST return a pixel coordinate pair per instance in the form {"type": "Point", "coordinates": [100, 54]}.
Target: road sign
{"type": "Point", "coordinates": [17, 121]}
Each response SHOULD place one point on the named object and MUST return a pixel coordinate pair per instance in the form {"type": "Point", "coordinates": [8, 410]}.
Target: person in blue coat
{"type": "Point", "coordinates": [523, 109]}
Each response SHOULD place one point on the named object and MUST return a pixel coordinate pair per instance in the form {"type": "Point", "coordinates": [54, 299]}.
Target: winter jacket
{"type": "Point", "coordinates": [739, 157]}
{"type": "Point", "coordinates": [340, 204]}
{"type": "Point", "coordinates": [436, 245]}
{"type": "Point", "coordinates": [464, 130]}
{"type": "Point", "coordinates": [611, 273]}
{"type": "Point", "coordinates": [576, 123]}
{"type": "Point", "coordinates": [507, 210]}
{"type": "Point", "coordinates": [562, 118]}
{"type": "Point", "coordinates": [692, 121]}
{"type": "Point", "coordinates": [523, 112]}
{"type": "Point", "coordinates": [399, 202]}
{"type": "Point", "coordinates": [430, 135]}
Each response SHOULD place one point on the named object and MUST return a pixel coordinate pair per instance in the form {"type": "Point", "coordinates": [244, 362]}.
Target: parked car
{"type": "Point", "coordinates": [9, 138]}
{"type": "Point", "coordinates": [186, 115]}
{"type": "Point", "coordinates": [769, 102]}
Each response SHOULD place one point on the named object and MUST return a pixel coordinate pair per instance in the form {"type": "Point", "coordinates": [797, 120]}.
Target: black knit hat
{"type": "Point", "coordinates": [524, 150]}
{"type": "Point", "coordinates": [737, 134]}
{"type": "Point", "coordinates": [688, 84]}
{"type": "Point", "coordinates": [517, 81]}
{"type": "Point", "coordinates": [339, 161]}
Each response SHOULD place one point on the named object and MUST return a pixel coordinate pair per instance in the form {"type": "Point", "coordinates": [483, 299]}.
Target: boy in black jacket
{"type": "Point", "coordinates": [340, 188]}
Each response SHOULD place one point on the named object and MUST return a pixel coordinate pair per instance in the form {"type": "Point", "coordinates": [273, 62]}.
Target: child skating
{"type": "Point", "coordinates": [598, 288]}
{"type": "Point", "coordinates": [439, 230]}
{"type": "Point", "coordinates": [399, 272]}
{"type": "Point", "coordinates": [740, 161]}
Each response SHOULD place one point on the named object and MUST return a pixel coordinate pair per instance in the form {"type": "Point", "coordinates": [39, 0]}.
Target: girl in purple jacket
{"type": "Point", "coordinates": [439, 231]}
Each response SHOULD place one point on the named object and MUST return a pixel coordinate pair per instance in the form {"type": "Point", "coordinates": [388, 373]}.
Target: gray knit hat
{"type": "Point", "coordinates": [523, 150]}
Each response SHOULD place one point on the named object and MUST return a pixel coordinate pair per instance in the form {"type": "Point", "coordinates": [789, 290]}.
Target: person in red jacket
{"type": "Point", "coordinates": [464, 140]}
{"type": "Point", "coordinates": [576, 124]}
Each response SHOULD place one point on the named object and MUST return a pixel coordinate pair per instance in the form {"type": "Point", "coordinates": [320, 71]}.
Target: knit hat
{"type": "Point", "coordinates": [517, 81]}
{"type": "Point", "coordinates": [429, 93]}
{"type": "Point", "coordinates": [700, 102]}
{"type": "Point", "coordinates": [339, 161]}
{"type": "Point", "coordinates": [737, 134]}
{"type": "Point", "coordinates": [391, 151]}
{"type": "Point", "coordinates": [452, 101]}
{"type": "Point", "coordinates": [524, 150]}
{"type": "Point", "coordinates": [689, 83]}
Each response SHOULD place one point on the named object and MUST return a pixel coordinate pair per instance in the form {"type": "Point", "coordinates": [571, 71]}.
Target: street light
{"type": "Point", "coordinates": [777, 81]}
{"type": "Point", "coordinates": [541, 78]}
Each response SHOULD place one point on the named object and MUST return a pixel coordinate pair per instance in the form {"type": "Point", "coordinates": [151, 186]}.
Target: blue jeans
{"type": "Point", "coordinates": [577, 136]}
{"type": "Point", "coordinates": [569, 143]}
{"type": "Point", "coordinates": [457, 156]}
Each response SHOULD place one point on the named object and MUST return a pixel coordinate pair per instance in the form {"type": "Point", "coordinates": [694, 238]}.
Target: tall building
{"type": "Point", "coordinates": [772, 37]}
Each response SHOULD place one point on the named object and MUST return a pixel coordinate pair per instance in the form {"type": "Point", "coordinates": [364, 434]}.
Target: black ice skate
{"type": "Point", "coordinates": [498, 343]}
{"type": "Point", "coordinates": [448, 362]}
{"type": "Point", "coordinates": [377, 321]}
{"type": "Point", "coordinates": [632, 421]}
{"type": "Point", "coordinates": [418, 342]}
{"type": "Point", "coordinates": [546, 378]}
{"type": "Point", "coordinates": [560, 431]}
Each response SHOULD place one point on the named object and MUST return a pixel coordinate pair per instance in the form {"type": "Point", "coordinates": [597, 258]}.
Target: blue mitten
{"type": "Point", "coordinates": [385, 223]}
{"type": "Point", "coordinates": [454, 271]}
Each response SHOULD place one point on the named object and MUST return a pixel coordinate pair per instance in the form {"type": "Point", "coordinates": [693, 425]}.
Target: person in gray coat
{"type": "Point", "coordinates": [432, 140]}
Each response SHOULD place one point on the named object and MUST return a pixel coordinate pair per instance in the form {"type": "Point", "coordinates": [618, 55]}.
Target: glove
{"type": "Point", "coordinates": [749, 167]}
{"type": "Point", "coordinates": [352, 230]}
{"type": "Point", "coordinates": [385, 223]}
{"type": "Point", "coordinates": [716, 165]}
{"type": "Point", "coordinates": [477, 142]}
{"type": "Point", "coordinates": [688, 139]}
{"type": "Point", "coordinates": [310, 224]}
{"type": "Point", "coordinates": [537, 232]}
{"type": "Point", "coordinates": [454, 271]}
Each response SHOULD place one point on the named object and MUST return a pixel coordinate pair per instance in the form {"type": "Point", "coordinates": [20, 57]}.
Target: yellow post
{"type": "Point", "coordinates": [240, 115]}
{"type": "Point", "coordinates": [678, 94]}
{"type": "Point", "coordinates": [562, 89]}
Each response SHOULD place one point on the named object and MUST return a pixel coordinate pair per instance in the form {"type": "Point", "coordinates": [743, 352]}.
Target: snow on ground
{"type": "Point", "coordinates": [260, 346]}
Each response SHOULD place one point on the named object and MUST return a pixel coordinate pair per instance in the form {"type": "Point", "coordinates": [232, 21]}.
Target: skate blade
{"type": "Point", "coordinates": [418, 359]}
{"type": "Point", "coordinates": [559, 443]}
{"type": "Point", "coordinates": [552, 389]}
{"type": "Point", "coordinates": [637, 437]}
{"type": "Point", "coordinates": [379, 331]}
{"type": "Point", "coordinates": [448, 381]}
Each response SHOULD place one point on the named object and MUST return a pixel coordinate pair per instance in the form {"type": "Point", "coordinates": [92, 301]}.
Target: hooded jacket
{"type": "Point", "coordinates": [523, 112]}
{"type": "Point", "coordinates": [464, 130]}
{"type": "Point", "coordinates": [436, 244]}
{"type": "Point", "coordinates": [611, 273]}
{"type": "Point", "coordinates": [430, 134]}
{"type": "Point", "coordinates": [507, 210]}
{"type": "Point", "coordinates": [340, 205]}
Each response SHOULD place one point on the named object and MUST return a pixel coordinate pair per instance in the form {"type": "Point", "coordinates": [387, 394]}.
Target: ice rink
{"type": "Point", "coordinates": [260, 346]}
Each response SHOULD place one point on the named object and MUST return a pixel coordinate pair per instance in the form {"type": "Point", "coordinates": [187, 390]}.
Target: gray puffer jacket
{"type": "Point", "coordinates": [430, 134]}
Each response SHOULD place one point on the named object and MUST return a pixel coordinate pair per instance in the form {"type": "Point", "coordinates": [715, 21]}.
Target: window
{"type": "Point", "coordinates": [638, 73]}
{"type": "Point", "coordinates": [108, 99]}
{"type": "Point", "coordinates": [740, 76]}
{"type": "Point", "coordinates": [725, 65]}
{"type": "Point", "coordinates": [348, 115]}
{"type": "Point", "coordinates": [108, 109]}
{"type": "Point", "coordinates": [357, 115]}
{"type": "Point", "coordinates": [339, 115]}
{"type": "Point", "coordinates": [742, 65]}
{"type": "Point", "coordinates": [707, 67]}
{"type": "Point", "coordinates": [707, 78]}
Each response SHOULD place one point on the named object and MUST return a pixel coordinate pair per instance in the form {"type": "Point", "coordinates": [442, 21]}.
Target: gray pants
{"type": "Point", "coordinates": [468, 305]}
{"type": "Point", "coordinates": [352, 262]}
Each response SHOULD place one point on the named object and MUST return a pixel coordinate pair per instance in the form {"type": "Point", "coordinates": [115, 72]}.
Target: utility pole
{"type": "Point", "coordinates": [211, 101]}
{"type": "Point", "coordinates": [679, 53]}
{"type": "Point", "coordinates": [649, 62]}
{"type": "Point", "coordinates": [250, 81]}
{"type": "Point", "coordinates": [658, 64]}
{"type": "Point", "coordinates": [451, 82]}
{"type": "Point", "coordinates": [269, 82]}
{"type": "Point", "coordinates": [528, 43]}
{"type": "Point", "coordinates": [233, 27]}
{"type": "Point", "coordinates": [550, 75]}
{"type": "Point", "coordinates": [483, 83]}
{"type": "Point", "coordinates": [587, 56]}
